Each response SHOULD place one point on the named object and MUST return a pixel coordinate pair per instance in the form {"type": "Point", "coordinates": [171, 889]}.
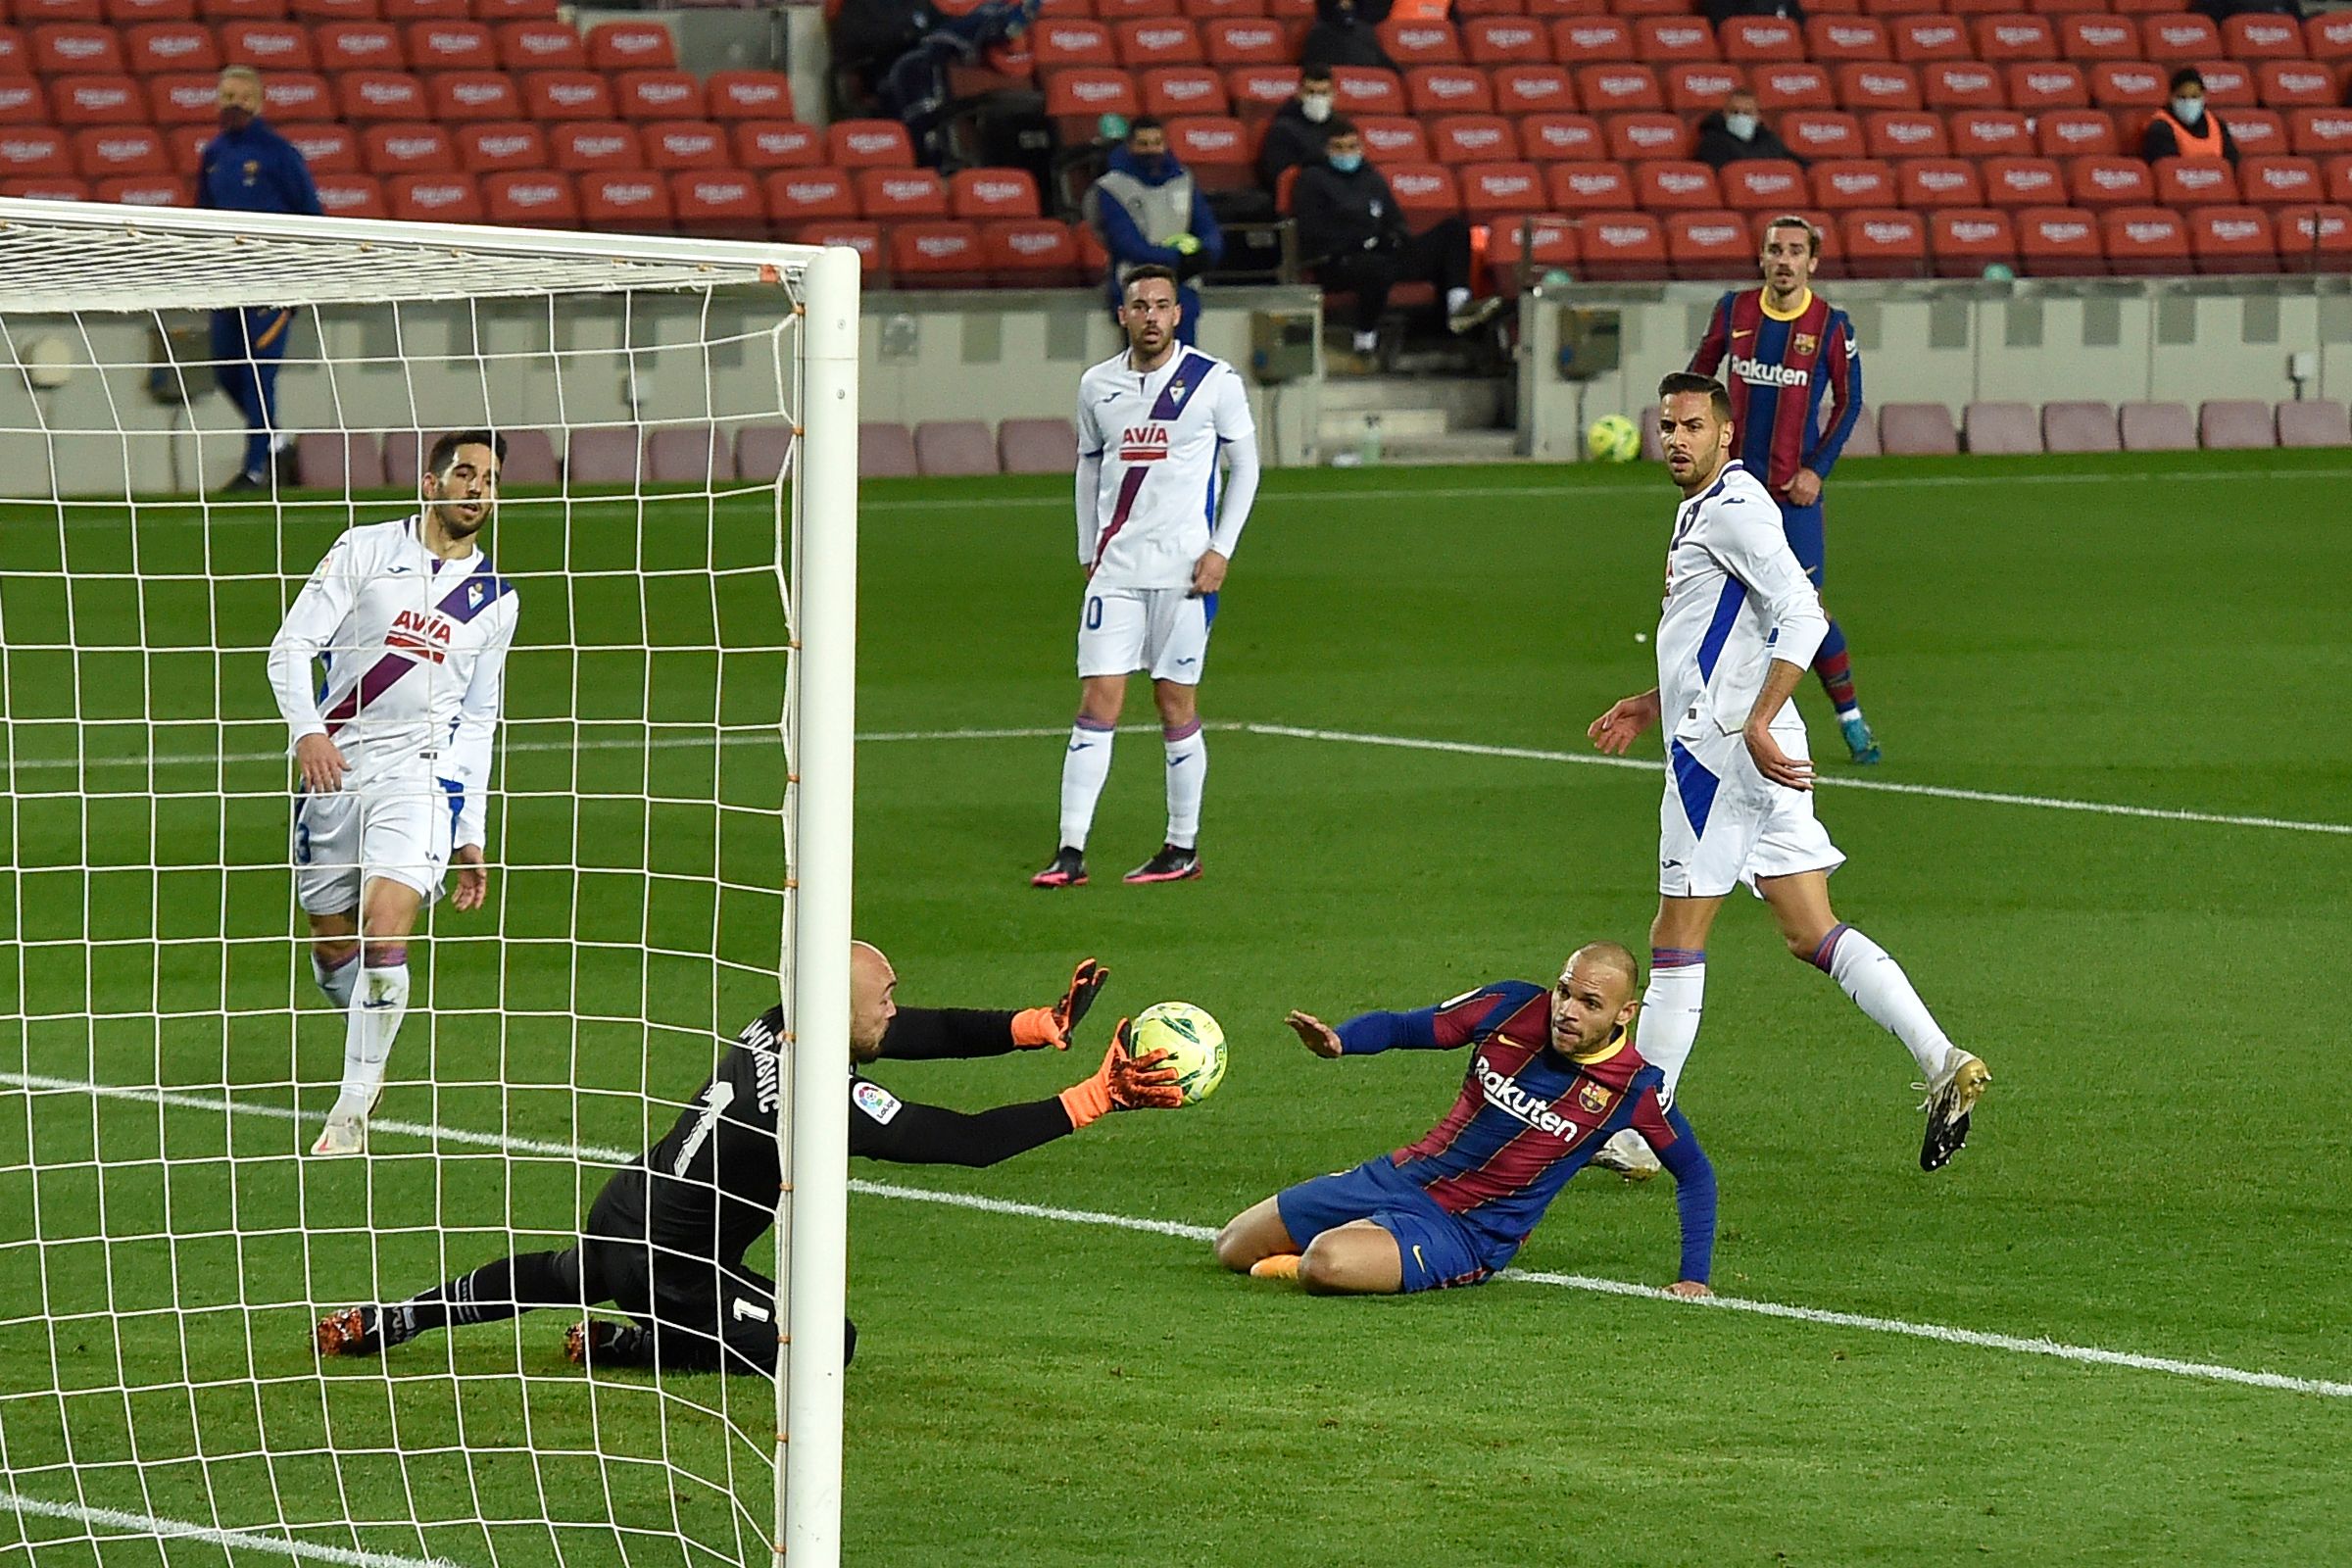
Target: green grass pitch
{"type": "Point", "coordinates": [2161, 1169]}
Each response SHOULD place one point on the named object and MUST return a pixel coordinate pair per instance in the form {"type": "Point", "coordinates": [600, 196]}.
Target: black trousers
{"type": "Point", "coordinates": [1439, 256]}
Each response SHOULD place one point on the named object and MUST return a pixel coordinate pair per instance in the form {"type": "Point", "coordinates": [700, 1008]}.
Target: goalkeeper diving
{"type": "Point", "coordinates": [665, 1242]}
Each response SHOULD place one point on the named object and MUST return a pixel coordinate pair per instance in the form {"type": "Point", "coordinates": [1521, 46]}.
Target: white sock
{"type": "Point", "coordinates": [1880, 988]}
{"type": "Point", "coordinates": [1366, 342]}
{"type": "Point", "coordinates": [1085, 767]}
{"type": "Point", "coordinates": [283, 441]}
{"type": "Point", "coordinates": [1670, 1012]}
{"type": "Point", "coordinates": [1455, 299]}
{"type": "Point", "coordinates": [1188, 774]}
{"type": "Point", "coordinates": [378, 1004]}
{"type": "Point", "coordinates": [336, 982]}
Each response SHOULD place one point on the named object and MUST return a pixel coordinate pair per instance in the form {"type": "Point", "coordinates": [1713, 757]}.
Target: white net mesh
{"type": "Point", "coordinates": [165, 1246]}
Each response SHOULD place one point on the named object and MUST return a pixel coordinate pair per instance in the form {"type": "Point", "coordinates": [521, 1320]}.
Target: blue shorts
{"type": "Point", "coordinates": [1438, 1248]}
{"type": "Point", "coordinates": [1806, 540]}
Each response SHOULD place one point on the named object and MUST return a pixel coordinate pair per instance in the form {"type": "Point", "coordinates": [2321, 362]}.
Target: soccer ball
{"type": "Point", "coordinates": [1192, 1040]}
{"type": "Point", "coordinates": [1613, 439]}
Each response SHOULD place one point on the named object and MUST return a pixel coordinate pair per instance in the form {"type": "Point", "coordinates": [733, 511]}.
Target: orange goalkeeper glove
{"type": "Point", "coordinates": [1123, 1082]}
{"type": "Point", "coordinates": [1054, 1026]}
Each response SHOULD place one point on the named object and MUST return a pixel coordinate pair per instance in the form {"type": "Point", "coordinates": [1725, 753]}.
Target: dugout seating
{"type": "Point", "coordinates": [2156, 427]}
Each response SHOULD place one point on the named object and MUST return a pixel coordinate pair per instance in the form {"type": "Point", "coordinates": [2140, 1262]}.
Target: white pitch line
{"type": "Point", "coordinates": [2206, 1371]}
{"type": "Point", "coordinates": [145, 1524]}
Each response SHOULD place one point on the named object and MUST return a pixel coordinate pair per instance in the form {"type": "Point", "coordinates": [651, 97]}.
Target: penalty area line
{"type": "Point", "coordinates": [2020, 1345]}
{"type": "Point", "coordinates": [142, 1526]}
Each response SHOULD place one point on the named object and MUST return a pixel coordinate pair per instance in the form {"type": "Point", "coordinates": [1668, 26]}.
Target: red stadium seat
{"type": "Point", "coordinates": [2180, 39]}
{"type": "Point", "coordinates": [1592, 40]}
{"type": "Point", "coordinates": [1673, 184]}
{"type": "Point", "coordinates": [265, 46]}
{"type": "Point", "coordinates": [1588, 187]}
{"type": "Point", "coordinates": [502, 147]}
{"type": "Point", "coordinates": [23, 103]}
{"type": "Point", "coordinates": [750, 95]}
{"type": "Point", "coordinates": [185, 145]}
{"type": "Point", "coordinates": [134, 13]}
{"type": "Point", "coordinates": [2076, 133]}
{"type": "Point", "coordinates": [1991, 133]}
{"type": "Point", "coordinates": [1832, 38]}
{"type": "Point", "coordinates": [936, 254]}
{"type": "Point", "coordinates": [1951, 85]}
{"type": "Point", "coordinates": [657, 95]}
{"type": "Point", "coordinates": [631, 200]}
{"type": "Point", "coordinates": [1413, 43]}
{"type": "Point", "coordinates": [406, 11]}
{"type": "Point", "coordinates": [1361, 90]}
{"type": "Point", "coordinates": [2232, 239]}
{"type": "Point", "coordinates": [156, 49]}
{"type": "Point", "coordinates": [1473, 139]}
{"type": "Point", "coordinates": [2060, 10]}
{"type": "Point", "coordinates": [1076, 100]}
{"type": "Point", "coordinates": [1561, 138]}
{"type": "Point", "coordinates": [2314, 238]}
{"type": "Point", "coordinates": [1394, 139]}
{"type": "Point", "coordinates": [1846, 183]}
{"type": "Point", "coordinates": [67, 49]}
{"type": "Point", "coordinates": [594, 144]}
{"type": "Point", "coordinates": [541, 46]}
{"type": "Point", "coordinates": [1883, 242]}
{"type": "Point", "coordinates": [763, 144]}
{"type": "Point", "coordinates": [1246, 41]}
{"type": "Point", "coordinates": [325, 149]}
{"type": "Point", "coordinates": [296, 95]}
{"type": "Point", "coordinates": [2017, 35]}
{"type": "Point", "coordinates": [1215, 148]}
{"type": "Point", "coordinates": [36, 12]}
{"type": "Point", "coordinates": [15, 55]}
{"type": "Point", "coordinates": [462, 97]}
{"type": "Point", "coordinates": [992, 193]}
{"type": "Point", "coordinates": [672, 144]}
{"type": "Point", "coordinates": [1666, 40]}
{"type": "Point", "coordinates": [452, 46]}
{"type": "Point", "coordinates": [29, 152]}
{"type": "Point", "coordinates": [2143, 241]}
{"type": "Point", "coordinates": [1533, 90]}
{"type": "Point", "coordinates": [2279, 181]}
{"type": "Point", "coordinates": [2038, 85]}
{"type": "Point", "coordinates": [868, 143]}
{"type": "Point", "coordinates": [556, 95]}
{"type": "Point", "coordinates": [1130, 10]}
{"type": "Point", "coordinates": [2092, 37]}
{"type": "Point", "coordinates": [1822, 134]}
{"type": "Point", "coordinates": [1635, 137]}
{"type": "Point", "coordinates": [2099, 182]}
{"type": "Point", "coordinates": [2059, 242]}
{"type": "Point", "coordinates": [629, 46]}
{"type": "Point", "coordinates": [1962, 242]}
{"type": "Point", "coordinates": [351, 196]}
{"type": "Point", "coordinates": [1635, 9]}
{"type": "Point", "coordinates": [1618, 90]}
{"type": "Point", "coordinates": [2260, 132]}
{"type": "Point", "coordinates": [1158, 42]}
{"type": "Point", "coordinates": [534, 198]}
{"type": "Point", "coordinates": [406, 149]}
{"type": "Point", "coordinates": [1062, 43]}
{"type": "Point", "coordinates": [1932, 182]}
{"type": "Point", "coordinates": [1447, 90]}
{"type": "Point", "coordinates": [96, 101]}
{"type": "Point", "coordinates": [1920, 40]}
{"type": "Point", "coordinates": [2257, 36]}
{"type": "Point", "coordinates": [2146, 7]}
{"type": "Point", "coordinates": [1780, 89]}
{"type": "Point", "coordinates": [1866, 85]}
{"type": "Point", "coordinates": [1621, 246]}
{"type": "Point", "coordinates": [1700, 86]}
{"type": "Point", "coordinates": [2229, 84]}
{"type": "Point", "coordinates": [1256, 92]}
{"type": "Point", "coordinates": [889, 195]}
{"type": "Point", "coordinates": [1709, 245]}
{"type": "Point", "coordinates": [358, 46]}
{"type": "Point", "coordinates": [1506, 41]}
{"type": "Point", "coordinates": [368, 96]}
{"type": "Point", "coordinates": [103, 151]}
{"type": "Point", "coordinates": [1755, 185]}
{"type": "Point", "coordinates": [2294, 84]}
{"type": "Point", "coordinates": [722, 203]}
{"type": "Point", "coordinates": [318, 11]}
{"type": "Point", "coordinates": [1527, 246]}
{"type": "Point", "coordinates": [2022, 183]}
{"type": "Point", "coordinates": [2128, 84]}
{"type": "Point", "coordinates": [802, 196]}
{"type": "Point", "coordinates": [2327, 36]}
{"type": "Point", "coordinates": [1031, 253]}
{"type": "Point", "coordinates": [2322, 132]}
{"type": "Point", "coordinates": [1904, 133]}
{"type": "Point", "coordinates": [1424, 192]}
{"type": "Point", "coordinates": [1183, 90]}
{"type": "Point", "coordinates": [1495, 191]}
{"type": "Point", "coordinates": [1760, 38]}
{"type": "Point", "coordinates": [442, 198]}
{"type": "Point", "coordinates": [2185, 183]}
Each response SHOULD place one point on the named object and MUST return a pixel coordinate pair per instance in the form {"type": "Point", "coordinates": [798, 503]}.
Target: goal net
{"type": "Point", "coordinates": [668, 840]}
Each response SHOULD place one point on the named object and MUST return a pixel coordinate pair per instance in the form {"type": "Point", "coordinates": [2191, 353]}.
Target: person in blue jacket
{"type": "Point", "coordinates": [1149, 211]}
{"type": "Point", "coordinates": [249, 167]}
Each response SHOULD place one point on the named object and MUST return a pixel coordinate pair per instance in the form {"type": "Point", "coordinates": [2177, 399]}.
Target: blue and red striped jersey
{"type": "Point", "coordinates": [1779, 370]}
{"type": "Point", "coordinates": [1528, 1118]}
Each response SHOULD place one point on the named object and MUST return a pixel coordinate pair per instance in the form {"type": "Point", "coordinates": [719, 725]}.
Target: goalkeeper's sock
{"type": "Point", "coordinates": [335, 979]}
{"type": "Point", "coordinates": [379, 1003]}
{"type": "Point", "coordinates": [1670, 1010]}
{"type": "Point", "coordinates": [1085, 768]}
{"type": "Point", "coordinates": [1865, 972]}
{"type": "Point", "coordinates": [491, 1294]}
{"type": "Point", "coordinates": [1188, 776]}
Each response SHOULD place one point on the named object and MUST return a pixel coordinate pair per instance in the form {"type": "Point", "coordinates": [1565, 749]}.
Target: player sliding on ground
{"type": "Point", "coordinates": [666, 1239]}
{"type": "Point", "coordinates": [1551, 1076]}
{"type": "Point", "coordinates": [1740, 623]}
{"type": "Point", "coordinates": [411, 626]}
{"type": "Point", "coordinates": [1153, 424]}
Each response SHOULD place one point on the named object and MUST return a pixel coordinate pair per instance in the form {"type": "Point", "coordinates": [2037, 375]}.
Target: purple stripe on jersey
{"type": "Point", "coordinates": [1191, 372]}
{"type": "Point", "coordinates": [379, 680]}
{"type": "Point", "coordinates": [1128, 488]}
{"type": "Point", "coordinates": [1826, 953]}
{"type": "Point", "coordinates": [1719, 630]}
{"type": "Point", "coordinates": [481, 589]}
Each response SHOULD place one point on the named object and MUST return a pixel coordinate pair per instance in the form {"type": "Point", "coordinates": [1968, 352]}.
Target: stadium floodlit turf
{"type": "Point", "coordinates": [2159, 1169]}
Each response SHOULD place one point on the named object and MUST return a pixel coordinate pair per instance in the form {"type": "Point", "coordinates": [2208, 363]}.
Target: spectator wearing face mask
{"type": "Point", "coordinates": [1737, 131]}
{"type": "Point", "coordinates": [1147, 211]}
{"type": "Point", "coordinates": [1350, 232]}
{"type": "Point", "coordinates": [1295, 134]}
{"type": "Point", "coordinates": [2185, 127]}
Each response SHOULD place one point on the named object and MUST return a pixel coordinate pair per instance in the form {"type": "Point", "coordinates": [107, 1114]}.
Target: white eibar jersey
{"type": "Point", "coordinates": [1735, 600]}
{"type": "Point", "coordinates": [1148, 449]}
{"type": "Point", "coordinates": [415, 649]}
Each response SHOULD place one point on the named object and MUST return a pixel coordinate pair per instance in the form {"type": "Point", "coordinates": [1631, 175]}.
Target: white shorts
{"type": "Point", "coordinates": [1164, 630]}
{"type": "Point", "coordinates": [1721, 823]}
{"type": "Point", "coordinates": [397, 828]}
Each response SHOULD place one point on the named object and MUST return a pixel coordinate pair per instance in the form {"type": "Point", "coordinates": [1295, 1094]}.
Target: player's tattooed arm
{"type": "Point", "coordinates": [1313, 1033]}
{"type": "Point", "coordinates": [1615, 731]}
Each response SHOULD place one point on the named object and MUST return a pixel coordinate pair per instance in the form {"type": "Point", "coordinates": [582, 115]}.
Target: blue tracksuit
{"type": "Point", "coordinates": [254, 169]}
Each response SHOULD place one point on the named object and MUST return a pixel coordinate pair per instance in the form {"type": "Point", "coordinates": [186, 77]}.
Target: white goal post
{"type": "Point", "coordinates": [670, 848]}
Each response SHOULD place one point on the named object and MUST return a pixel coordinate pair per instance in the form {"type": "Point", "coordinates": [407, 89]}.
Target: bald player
{"type": "Point", "coordinates": [665, 1240]}
{"type": "Point", "coordinates": [1552, 1075]}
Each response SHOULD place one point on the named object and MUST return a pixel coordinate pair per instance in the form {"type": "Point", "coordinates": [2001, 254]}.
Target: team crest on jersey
{"type": "Point", "coordinates": [1803, 344]}
{"type": "Point", "coordinates": [1144, 443]}
{"type": "Point", "coordinates": [474, 596]}
{"type": "Point", "coordinates": [1595, 1098]}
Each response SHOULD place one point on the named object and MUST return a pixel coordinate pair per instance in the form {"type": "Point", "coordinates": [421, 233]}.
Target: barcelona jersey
{"type": "Point", "coordinates": [1779, 368]}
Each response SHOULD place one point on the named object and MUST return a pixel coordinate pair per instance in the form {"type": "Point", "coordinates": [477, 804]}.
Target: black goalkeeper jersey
{"type": "Point", "coordinates": [714, 1178]}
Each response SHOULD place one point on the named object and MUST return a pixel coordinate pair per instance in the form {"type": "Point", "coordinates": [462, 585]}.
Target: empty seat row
{"type": "Point", "coordinates": [1207, 11]}
{"type": "Point", "coordinates": [365, 97]}
{"type": "Point", "coordinates": [1927, 430]}
{"type": "Point", "coordinates": [127, 12]}
{"type": "Point", "coordinates": [157, 46]}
